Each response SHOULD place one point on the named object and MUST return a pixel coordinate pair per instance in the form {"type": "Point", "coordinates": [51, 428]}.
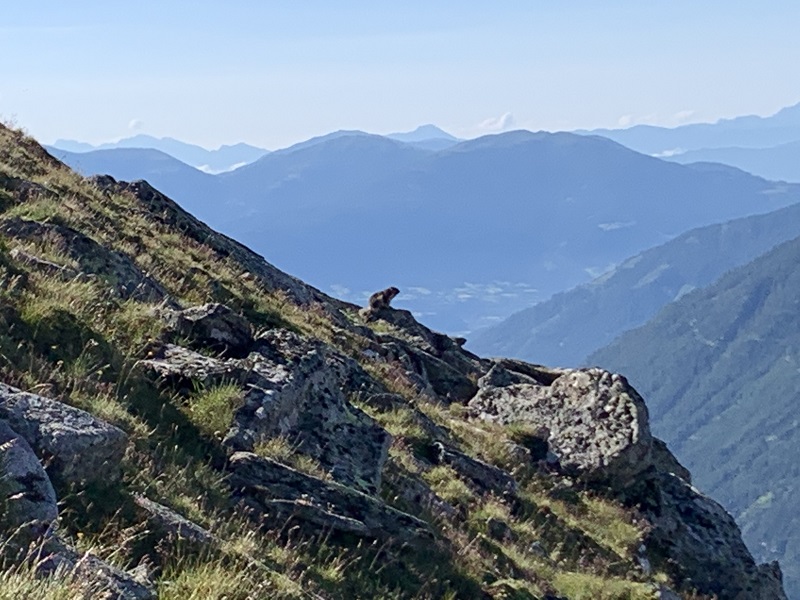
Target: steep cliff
{"type": "Point", "coordinates": [180, 419]}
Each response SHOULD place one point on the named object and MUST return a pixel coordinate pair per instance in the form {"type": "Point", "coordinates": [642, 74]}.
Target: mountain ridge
{"type": "Point", "coordinates": [749, 131]}
{"type": "Point", "coordinates": [252, 436]}
{"type": "Point", "coordinates": [563, 207]}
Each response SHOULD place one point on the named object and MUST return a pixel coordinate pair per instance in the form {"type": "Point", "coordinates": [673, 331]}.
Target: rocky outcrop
{"type": "Point", "coordinates": [597, 427]}
{"type": "Point", "coordinates": [296, 389]}
{"type": "Point", "coordinates": [597, 424]}
{"type": "Point", "coordinates": [437, 362]}
{"type": "Point", "coordinates": [76, 447]}
{"type": "Point", "coordinates": [28, 516]}
{"type": "Point", "coordinates": [213, 327]}
{"type": "Point", "coordinates": [697, 542]}
{"type": "Point", "coordinates": [274, 491]}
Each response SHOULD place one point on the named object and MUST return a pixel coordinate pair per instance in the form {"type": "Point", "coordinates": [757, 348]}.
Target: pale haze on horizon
{"type": "Point", "coordinates": [272, 74]}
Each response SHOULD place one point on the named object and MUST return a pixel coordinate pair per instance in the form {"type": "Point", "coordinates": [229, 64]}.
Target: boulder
{"type": "Point", "coordinates": [597, 423]}
{"type": "Point", "coordinates": [27, 500]}
{"type": "Point", "coordinates": [274, 491]}
{"type": "Point", "coordinates": [214, 327]}
{"type": "Point", "coordinates": [186, 369]}
{"type": "Point", "coordinates": [75, 446]}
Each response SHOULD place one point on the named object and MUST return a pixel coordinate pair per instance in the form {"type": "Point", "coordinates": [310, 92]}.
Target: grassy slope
{"type": "Point", "coordinates": [74, 341]}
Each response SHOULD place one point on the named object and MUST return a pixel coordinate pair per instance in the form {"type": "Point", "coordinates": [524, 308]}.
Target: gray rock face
{"type": "Point", "coordinates": [597, 423]}
{"type": "Point", "coordinates": [701, 545]}
{"type": "Point", "coordinates": [27, 500]}
{"type": "Point", "coordinates": [274, 490]}
{"type": "Point", "coordinates": [437, 362]}
{"type": "Point", "coordinates": [296, 389]}
{"type": "Point", "coordinates": [75, 446]}
{"type": "Point", "coordinates": [215, 327]}
{"type": "Point", "coordinates": [116, 269]}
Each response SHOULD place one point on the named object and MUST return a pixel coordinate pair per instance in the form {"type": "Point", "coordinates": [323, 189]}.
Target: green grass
{"type": "Point", "coordinates": [284, 451]}
{"type": "Point", "coordinates": [212, 408]}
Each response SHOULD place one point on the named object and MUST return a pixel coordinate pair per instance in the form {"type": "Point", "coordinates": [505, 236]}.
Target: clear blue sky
{"type": "Point", "coordinates": [273, 73]}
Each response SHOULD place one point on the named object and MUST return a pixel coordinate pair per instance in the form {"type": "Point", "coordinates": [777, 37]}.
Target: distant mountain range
{"type": "Point", "coordinates": [224, 158]}
{"type": "Point", "coordinates": [743, 132]}
{"type": "Point", "coordinates": [228, 158]}
{"type": "Point", "coordinates": [569, 326]}
{"type": "Point", "coordinates": [720, 369]}
{"type": "Point", "coordinates": [470, 233]}
{"type": "Point", "coordinates": [779, 163]}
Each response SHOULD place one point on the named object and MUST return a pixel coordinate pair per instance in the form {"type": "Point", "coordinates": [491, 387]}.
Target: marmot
{"type": "Point", "coordinates": [379, 301]}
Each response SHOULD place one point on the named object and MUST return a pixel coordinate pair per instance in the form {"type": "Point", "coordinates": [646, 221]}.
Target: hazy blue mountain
{"type": "Point", "coordinates": [422, 133]}
{"type": "Point", "coordinates": [471, 233]}
{"type": "Point", "coordinates": [745, 132]}
{"type": "Point", "coordinates": [569, 326]}
{"type": "Point", "coordinates": [720, 369]}
{"type": "Point", "coordinates": [174, 178]}
{"type": "Point", "coordinates": [223, 158]}
{"type": "Point", "coordinates": [779, 163]}
{"type": "Point", "coordinates": [483, 228]}
{"type": "Point", "coordinates": [428, 137]}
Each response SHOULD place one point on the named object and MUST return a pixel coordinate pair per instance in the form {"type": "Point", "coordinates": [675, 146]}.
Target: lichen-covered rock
{"type": "Point", "coordinates": [699, 544]}
{"type": "Point", "coordinates": [214, 327]}
{"type": "Point", "coordinates": [597, 423]}
{"type": "Point", "coordinates": [296, 389]}
{"type": "Point", "coordinates": [271, 489]}
{"type": "Point", "coordinates": [299, 389]}
{"type": "Point", "coordinates": [75, 446]}
{"type": "Point", "coordinates": [27, 500]}
{"type": "Point", "coordinates": [183, 368]}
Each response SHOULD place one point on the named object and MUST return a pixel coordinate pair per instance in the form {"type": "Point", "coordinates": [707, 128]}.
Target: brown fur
{"type": "Point", "coordinates": [379, 301]}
